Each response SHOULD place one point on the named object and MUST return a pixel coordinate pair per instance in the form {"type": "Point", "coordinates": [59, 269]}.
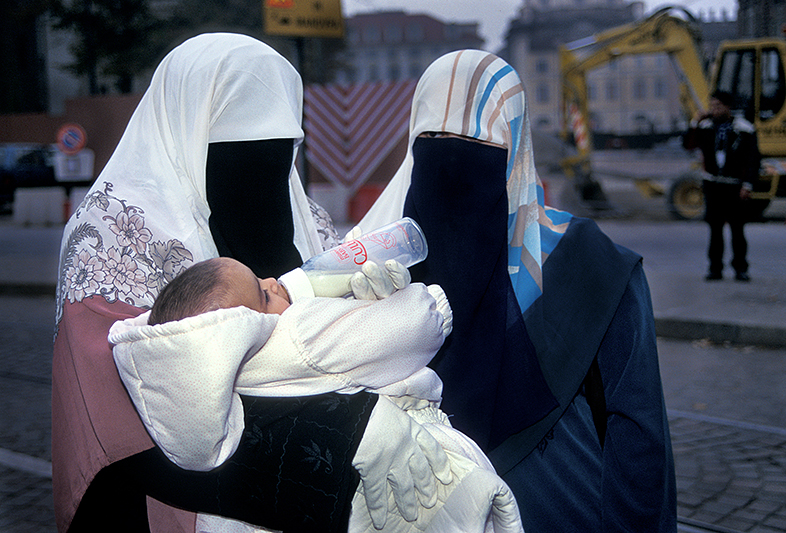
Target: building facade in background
{"type": "Point", "coordinates": [394, 46]}
{"type": "Point", "coordinates": [761, 18]}
{"type": "Point", "coordinates": [627, 96]}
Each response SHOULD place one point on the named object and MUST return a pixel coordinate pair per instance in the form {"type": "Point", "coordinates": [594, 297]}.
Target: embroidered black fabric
{"type": "Point", "coordinates": [292, 471]}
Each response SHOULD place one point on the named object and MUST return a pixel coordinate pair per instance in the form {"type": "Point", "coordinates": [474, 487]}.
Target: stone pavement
{"type": "Point", "coordinates": [731, 475]}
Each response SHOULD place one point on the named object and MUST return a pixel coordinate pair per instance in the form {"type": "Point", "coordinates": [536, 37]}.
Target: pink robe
{"type": "Point", "coordinates": [94, 422]}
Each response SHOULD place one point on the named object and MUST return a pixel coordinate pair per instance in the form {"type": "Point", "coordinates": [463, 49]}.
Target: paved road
{"type": "Point", "coordinates": [727, 409]}
{"type": "Point", "coordinates": [727, 403]}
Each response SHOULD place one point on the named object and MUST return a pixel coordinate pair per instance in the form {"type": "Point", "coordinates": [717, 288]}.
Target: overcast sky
{"type": "Point", "coordinates": [493, 15]}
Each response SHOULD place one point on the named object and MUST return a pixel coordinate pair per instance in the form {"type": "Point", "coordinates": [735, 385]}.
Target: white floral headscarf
{"type": "Point", "coordinates": [146, 216]}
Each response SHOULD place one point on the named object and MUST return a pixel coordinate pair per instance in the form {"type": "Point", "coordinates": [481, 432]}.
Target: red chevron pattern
{"type": "Point", "coordinates": [350, 129]}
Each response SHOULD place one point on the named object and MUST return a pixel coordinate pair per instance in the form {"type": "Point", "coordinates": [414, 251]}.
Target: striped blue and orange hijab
{"type": "Point", "coordinates": [476, 94]}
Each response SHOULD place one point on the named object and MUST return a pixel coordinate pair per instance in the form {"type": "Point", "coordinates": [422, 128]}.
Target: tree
{"type": "Point", "coordinates": [23, 83]}
{"type": "Point", "coordinates": [313, 57]}
{"type": "Point", "coordinates": [115, 38]}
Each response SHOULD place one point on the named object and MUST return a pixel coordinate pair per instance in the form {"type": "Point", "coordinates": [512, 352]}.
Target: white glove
{"type": "Point", "coordinates": [443, 306]}
{"type": "Point", "coordinates": [353, 234]}
{"type": "Point", "coordinates": [377, 283]}
{"type": "Point", "coordinates": [397, 454]}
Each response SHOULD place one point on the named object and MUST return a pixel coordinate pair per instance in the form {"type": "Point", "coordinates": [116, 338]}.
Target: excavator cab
{"type": "Point", "coordinates": [753, 71]}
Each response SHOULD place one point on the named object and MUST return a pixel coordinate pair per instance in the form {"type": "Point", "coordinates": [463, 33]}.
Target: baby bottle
{"type": "Point", "coordinates": [329, 273]}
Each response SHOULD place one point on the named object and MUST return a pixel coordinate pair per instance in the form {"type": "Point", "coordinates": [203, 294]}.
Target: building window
{"type": "Point", "coordinates": [542, 123]}
{"type": "Point", "coordinates": [392, 33]}
{"type": "Point", "coordinates": [371, 34]}
{"type": "Point", "coordinates": [612, 91]}
{"type": "Point", "coordinates": [592, 92]}
{"type": "Point", "coordinates": [373, 73]}
{"type": "Point", "coordinates": [639, 89]}
{"type": "Point", "coordinates": [659, 89]}
{"type": "Point", "coordinates": [414, 32]}
{"type": "Point", "coordinates": [643, 124]}
{"type": "Point", "coordinates": [394, 72]}
{"type": "Point", "coordinates": [542, 93]}
{"type": "Point", "coordinates": [541, 66]}
{"type": "Point", "coordinates": [415, 70]}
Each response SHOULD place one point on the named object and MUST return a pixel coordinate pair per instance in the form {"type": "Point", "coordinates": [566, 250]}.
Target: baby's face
{"type": "Point", "coordinates": [262, 295]}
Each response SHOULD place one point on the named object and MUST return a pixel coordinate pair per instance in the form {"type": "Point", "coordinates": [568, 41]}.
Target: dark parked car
{"type": "Point", "coordinates": [25, 165]}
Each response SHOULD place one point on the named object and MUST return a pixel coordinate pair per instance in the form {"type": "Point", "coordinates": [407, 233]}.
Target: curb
{"type": "Point", "coordinates": [672, 328]}
{"type": "Point", "coordinates": [718, 332]}
{"type": "Point", "coordinates": [27, 289]}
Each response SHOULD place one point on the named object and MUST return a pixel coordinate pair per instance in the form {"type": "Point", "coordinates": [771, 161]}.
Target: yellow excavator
{"type": "Point", "coordinates": [752, 70]}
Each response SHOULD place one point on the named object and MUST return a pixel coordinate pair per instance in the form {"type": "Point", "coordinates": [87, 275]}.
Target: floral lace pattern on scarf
{"type": "Point", "coordinates": [328, 236]}
{"type": "Point", "coordinates": [133, 268]}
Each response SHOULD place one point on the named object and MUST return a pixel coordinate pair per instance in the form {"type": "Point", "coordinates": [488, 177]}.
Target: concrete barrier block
{"type": "Point", "coordinates": [39, 206]}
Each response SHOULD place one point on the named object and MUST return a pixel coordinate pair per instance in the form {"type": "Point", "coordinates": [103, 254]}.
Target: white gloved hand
{"type": "Point", "coordinates": [397, 454]}
{"type": "Point", "coordinates": [443, 306]}
{"type": "Point", "coordinates": [353, 234]}
{"type": "Point", "coordinates": [376, 283]}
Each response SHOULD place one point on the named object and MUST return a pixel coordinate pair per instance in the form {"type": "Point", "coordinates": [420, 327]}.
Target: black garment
{"type": "Point", "coordinates": [567, 481]}
{"type": "Point", "coordinates": [250, 209]}
{"type": "Point", "coordinates": [513, 380]}
{"type": "Point", "coordinates": [583, 281]}
{"type": "Point", "coordinates": [292, 472]}
{"type": "Point", "coordinates": [736, 143]}
{"type": "Point", "coordinates": [458, 196]}
{"type": "Point", "coordinates": [724, 206]}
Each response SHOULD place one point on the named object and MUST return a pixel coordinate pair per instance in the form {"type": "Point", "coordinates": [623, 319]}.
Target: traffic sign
{"type": "Point", "coordinates": [71, 138]}
{"type": "Point", "coordinates": [304, 18]}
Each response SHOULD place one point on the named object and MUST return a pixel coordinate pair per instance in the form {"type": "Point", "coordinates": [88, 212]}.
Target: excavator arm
{"type": "Point", "coordinates": [672, 31]}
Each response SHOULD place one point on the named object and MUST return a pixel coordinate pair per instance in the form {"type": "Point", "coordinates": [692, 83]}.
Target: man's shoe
{"type": "Point", "coordinates": [713, 276]}
{"type": "Point", "coordinates": [742, 276]}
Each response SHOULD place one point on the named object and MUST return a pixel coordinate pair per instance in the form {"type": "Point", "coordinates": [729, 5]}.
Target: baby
{"type": "Point", "coordinates": [224, 332]}
{"type": "Point", "coordinates": [218, 283]}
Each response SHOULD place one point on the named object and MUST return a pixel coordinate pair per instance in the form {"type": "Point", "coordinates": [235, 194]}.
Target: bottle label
{"type": "Point", "coordinates": [385, 240]}
{"type": "Point", "coordinates": [353, 250]}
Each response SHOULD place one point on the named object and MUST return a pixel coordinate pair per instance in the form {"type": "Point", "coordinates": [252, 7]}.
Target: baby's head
{"type": "Point", "coordinates": [217, 283]}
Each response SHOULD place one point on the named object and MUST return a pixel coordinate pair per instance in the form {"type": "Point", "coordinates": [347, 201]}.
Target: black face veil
{"type": "Point", "coordinates": [493, 385]}
{"type": "Point", "coordinates": [251, 211]}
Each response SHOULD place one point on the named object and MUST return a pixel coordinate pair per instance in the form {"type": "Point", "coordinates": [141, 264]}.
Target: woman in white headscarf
{"type": "Point", "coordinates": [552, 364]}
{"type": "Point", "coordinates": [205, 168]}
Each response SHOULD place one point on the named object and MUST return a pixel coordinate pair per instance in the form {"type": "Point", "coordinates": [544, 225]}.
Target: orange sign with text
{"type": "Point", "coordinates": [304, 18]}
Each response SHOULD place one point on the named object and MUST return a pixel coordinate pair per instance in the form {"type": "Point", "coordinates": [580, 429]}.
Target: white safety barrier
{"type": "Point", "coordinates": [39, 206]}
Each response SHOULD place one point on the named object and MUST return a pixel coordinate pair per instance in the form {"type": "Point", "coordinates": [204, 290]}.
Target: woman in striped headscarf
{"type": "Point", "coordinates": [552, 365]}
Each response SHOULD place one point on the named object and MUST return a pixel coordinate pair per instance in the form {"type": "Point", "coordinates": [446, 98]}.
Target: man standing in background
{"type": "Point", "coordinates": [731, 162]}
